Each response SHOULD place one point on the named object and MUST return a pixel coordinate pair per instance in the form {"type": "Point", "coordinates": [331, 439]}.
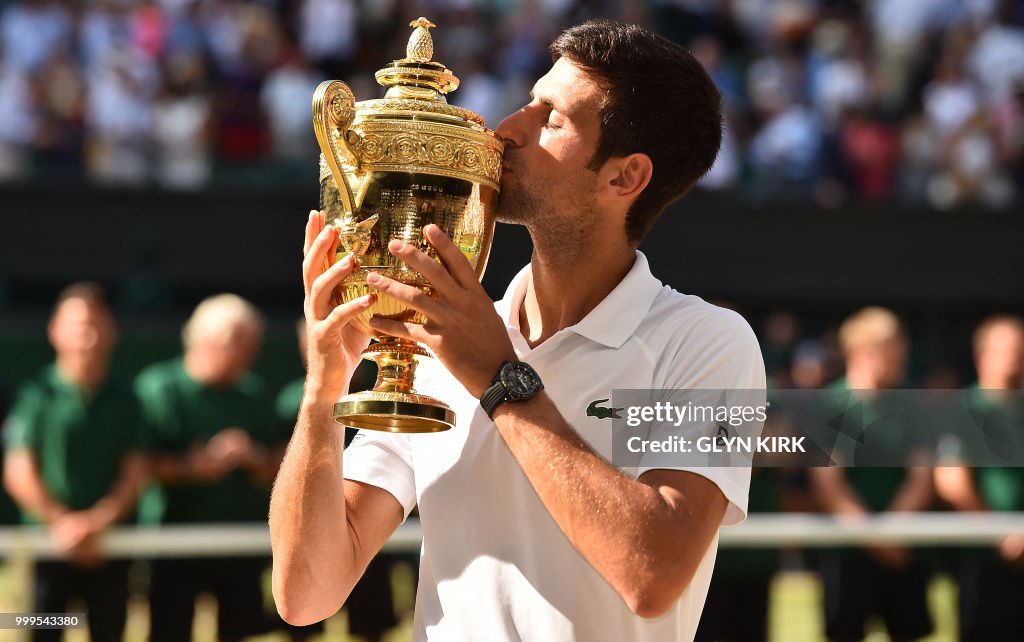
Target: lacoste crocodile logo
{"type": "Point", "coordinates": [594, 410]}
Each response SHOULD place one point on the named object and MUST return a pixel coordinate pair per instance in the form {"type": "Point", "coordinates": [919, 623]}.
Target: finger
{"type": "Point", "coordinates": [400, 329]}
{"type": "Point", "coordinates": [342, 315]}
{"type": "Point", "coordinates": [430, 269]}
{"type": "Point", "coordinates": [323, 287]}
{"type": "Point", "coordinates": [313, 226]}
{"type": "Point", "coordinates": [313, 264]}
{"type": "Point", "coordinates": [453, 258]}
{"type": "Point", "coordinates": [412, 296]}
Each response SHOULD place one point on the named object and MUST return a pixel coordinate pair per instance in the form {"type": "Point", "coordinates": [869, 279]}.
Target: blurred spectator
{"type": "Point", "coordinates": [9, 513]}
{"type": "Point", "coordinates": [327, 34]}
{"type": "Point", "coordinates": [118, 117]}
{"type": "Point", "coordinates": [216, 451]}
{"type": "Point", "coordinates": [19, 126]}
{"type": "Point", "coordinates": [883, 580]}
{"type": "Point", "coordinates": [743, 576]}
{"type": "Point", "coordinates": [31, 31]}
{"type": "Point", "coordinates": [991, 581]}
{"type": "Point", "coordinates": [182, 117]}
{"type": "Point", "coordinates": [285, 100]}
{"type": "Point", "coordinates": [74, 462]}
{"type": "Point", "coordinates": [825, 101]}
{"type": "Point", "coordinates": [997, 56]}
{"type": "Point", "coordinates": [779, 334]}
{"type": "Point", "coordinates": [370, 605]}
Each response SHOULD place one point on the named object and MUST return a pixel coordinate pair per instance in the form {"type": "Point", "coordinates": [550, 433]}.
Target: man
{"type": "Point", "coordinates": [992, 581]}
{"type": "Point", "coordinates": [216, 450]}
{"type": "Point", "coordinates": [74, 462]}
{"type": "Point", "coordinates": [529, 532]}
{"type": "Point", "coordinates": [884, 580]}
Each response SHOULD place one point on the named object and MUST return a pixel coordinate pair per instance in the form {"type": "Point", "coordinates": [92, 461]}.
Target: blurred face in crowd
{"type": "Point", "coordinates": [82, 333]}
{"type": "Point", "coordinates": [221, 358]}
{"type": "Point", "coordinates": [878, 364]}
{"type": "Point", "coordinates": [1000, 357]}
{"type": "Point", "coordinates": [546, 183]}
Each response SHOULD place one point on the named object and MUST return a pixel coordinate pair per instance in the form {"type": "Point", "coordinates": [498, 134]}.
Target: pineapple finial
{"type": "Point", "coordinates": [421, 45]}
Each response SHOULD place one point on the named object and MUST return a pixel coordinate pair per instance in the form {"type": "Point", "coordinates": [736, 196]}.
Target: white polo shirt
{"type": "Point", "coordinates": [495, 566]}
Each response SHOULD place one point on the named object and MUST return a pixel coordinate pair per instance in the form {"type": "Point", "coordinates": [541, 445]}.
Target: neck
{"type": "Point", "coordinates": [567, 281]}
{"type": "Point", "coordinates": [197, 368]}
{"type": "Point", "coordinates": [1000, 381]}
{"type": "Point", "coordinates": [84, 373]}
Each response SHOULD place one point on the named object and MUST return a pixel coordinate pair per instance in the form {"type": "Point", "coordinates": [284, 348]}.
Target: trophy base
{"type": "Point", "coordinates": [393, 405]}
{"type": "Point", "coordinates": [394, 412]}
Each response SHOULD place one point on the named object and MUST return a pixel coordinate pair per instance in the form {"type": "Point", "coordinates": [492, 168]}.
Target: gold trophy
{"type": "Point", "coordinates": [390, 167]}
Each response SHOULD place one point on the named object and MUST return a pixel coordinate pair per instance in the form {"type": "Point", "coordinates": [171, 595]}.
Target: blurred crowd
{"type": "Point", "coordinates": [197, 439]}
{"type": "Point", "coordinates": [827, 100]}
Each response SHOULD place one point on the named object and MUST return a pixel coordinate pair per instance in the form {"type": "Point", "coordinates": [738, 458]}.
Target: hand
{"type": "Point", "coordinates": [203, 466]}
{"type": "Point", "coordinates": [891, 556]}
{"type": "Point", "coordinates": [462, 327]}
{"type": "Point", "coordinates": [76, 535]}
{"type": "Point", "coordinates": [87, 554]}
{"type": "Point", "coordinates": [232, 447]}
{"type": "Point", "coordinates": [1011, 548]}
{"type": "Point", "coordinates": [335, 345]}
{"type": "Point", "coordinates": [73, 528]}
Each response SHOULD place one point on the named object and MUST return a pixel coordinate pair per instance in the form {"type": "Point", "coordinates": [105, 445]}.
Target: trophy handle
{"type": "Point", "coordinates": [334, 109]}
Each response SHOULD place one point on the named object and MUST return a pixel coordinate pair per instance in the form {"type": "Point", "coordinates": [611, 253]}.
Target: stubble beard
{"type": "Point", "coordinates": [557, 226]}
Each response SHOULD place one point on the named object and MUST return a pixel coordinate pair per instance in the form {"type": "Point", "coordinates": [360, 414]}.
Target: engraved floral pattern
{"type": "Point", "coordinates": [431, 149]}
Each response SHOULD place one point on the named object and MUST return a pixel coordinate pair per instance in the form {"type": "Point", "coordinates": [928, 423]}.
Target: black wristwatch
{"type": "Point", "coordinates": [515, 381]}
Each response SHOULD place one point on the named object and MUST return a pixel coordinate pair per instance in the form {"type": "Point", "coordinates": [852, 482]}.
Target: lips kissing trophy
{"type": "Point", "coordinates": [388, 168]}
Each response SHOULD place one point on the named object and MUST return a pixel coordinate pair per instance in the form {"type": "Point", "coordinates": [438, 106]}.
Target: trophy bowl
{"type": "Point", "coordinates": [388, 168]}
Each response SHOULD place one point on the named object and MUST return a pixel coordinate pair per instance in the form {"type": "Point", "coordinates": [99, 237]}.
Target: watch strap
{"type": "Point", "coordinates": [494, 396]}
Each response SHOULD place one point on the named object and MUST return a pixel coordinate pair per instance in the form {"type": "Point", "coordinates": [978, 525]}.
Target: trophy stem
{"type": "Point", "coordinates": [396, 363]}
{"type": "Point", "coordinates": [393, 405]}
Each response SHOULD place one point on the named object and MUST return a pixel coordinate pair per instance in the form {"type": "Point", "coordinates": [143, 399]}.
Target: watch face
{"type": "Point", "coordinates": [520, 380]}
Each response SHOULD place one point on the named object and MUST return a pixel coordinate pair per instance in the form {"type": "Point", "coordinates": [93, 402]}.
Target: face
{"type": "Point", "coordinates": [1001, 356]}
{"type": "Point", "coordinates": [885, 360]}
{"type": "Point", "coordinates": [230, 353]}
{"type": "Point", "coordinates": [82, 329]}
{"type": "Point", "coordinates": [546, 184]}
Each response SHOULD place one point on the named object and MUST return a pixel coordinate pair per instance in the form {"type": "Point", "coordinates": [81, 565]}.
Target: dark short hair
{"type": "Point", "coordinates": [659, 101]}
{"type": "Point", "coordinates": [89, 291]}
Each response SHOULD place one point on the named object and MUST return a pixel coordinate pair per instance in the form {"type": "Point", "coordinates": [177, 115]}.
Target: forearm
{"type": "Point", "coordinates": [915, 493]}
{"type": "Point", "coordinates": [26, 487]}
{"type": "Point", "coordinates": [314, 558]}
{"type": "Point", "coordinates": [171, 469]}
{"type": "Point", "coordinates": [623, 527]}
{"type": "Point", "coordinates": [123, 496]}
{"type": "Point", "coordinates": [834, 493]}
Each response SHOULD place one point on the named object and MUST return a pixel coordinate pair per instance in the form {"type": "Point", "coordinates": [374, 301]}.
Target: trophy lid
{"type": "Point", "coordinates": [417, 75]}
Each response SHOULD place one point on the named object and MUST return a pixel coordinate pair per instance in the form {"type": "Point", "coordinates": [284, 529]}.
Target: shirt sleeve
{"type": "Point", "coordinates": [718, 366]}
{"type": "Point", "coordinates": [21, 427]}
{"type": "Point", "coordinates": [383, 460]}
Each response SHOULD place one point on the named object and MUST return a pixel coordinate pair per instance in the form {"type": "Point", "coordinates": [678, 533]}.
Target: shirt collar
{"type": "Point", "coordinates": [614, 319]}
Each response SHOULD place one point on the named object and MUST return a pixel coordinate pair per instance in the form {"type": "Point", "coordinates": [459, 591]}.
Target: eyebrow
{"type": "Point", "coordinates": [546, 102]}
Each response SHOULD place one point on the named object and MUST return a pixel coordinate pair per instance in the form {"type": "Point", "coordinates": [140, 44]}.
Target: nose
{"type": "Point", "coordinates": [510, 130]}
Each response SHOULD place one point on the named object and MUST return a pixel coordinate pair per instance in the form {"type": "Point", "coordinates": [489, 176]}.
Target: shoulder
{"type": "Point", "coordinates": [701, 343]}
{"type": "Point", "coordinates": [678, 318]}
{"type": "Point", "coordinates": [252, 385]}
{"type": "Point", "coordinates": [159, 378]}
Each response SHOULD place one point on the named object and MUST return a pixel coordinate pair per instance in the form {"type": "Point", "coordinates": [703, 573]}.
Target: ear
{"type": "Point", "coordinates": [625, 177]}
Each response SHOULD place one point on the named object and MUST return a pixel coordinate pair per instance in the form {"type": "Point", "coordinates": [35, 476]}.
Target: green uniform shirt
{"type": "Point", "coordinates": [288, 402]}
{"type": "Point", "coordinates": [182, 413]}
{"type": "Point", "coordinates": [876, 486]}
{"type": "Point", "coordinates": [79, 440]}
{"type": "Point", "coordinates": [287, 407]}
{"type": "Point", "coordinates": [765, 497]}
